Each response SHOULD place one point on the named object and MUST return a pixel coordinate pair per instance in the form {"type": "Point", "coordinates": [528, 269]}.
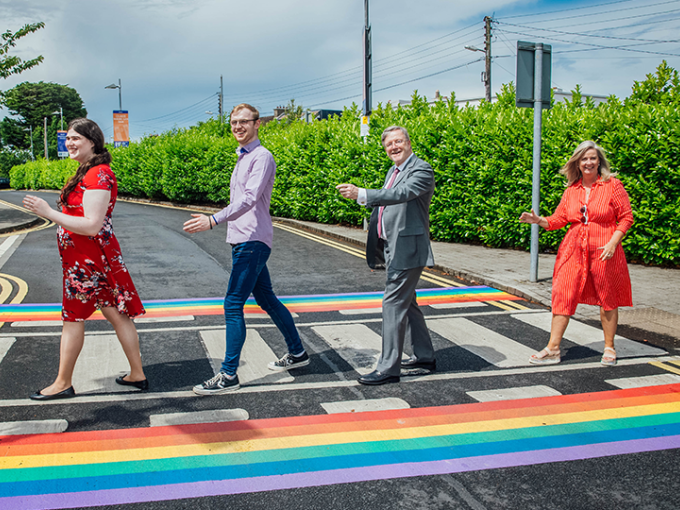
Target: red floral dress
{"type": "Point", "coordinates": [579, 275]}
{"type": "Point", "coordinates": [95, 275]}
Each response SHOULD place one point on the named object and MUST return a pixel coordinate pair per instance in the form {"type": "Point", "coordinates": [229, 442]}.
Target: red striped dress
{"type": "Point", "coordinates": [579, 275]}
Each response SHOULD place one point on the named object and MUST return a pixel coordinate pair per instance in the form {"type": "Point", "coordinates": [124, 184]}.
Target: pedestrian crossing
{"type": "Point", "coordinates": [589, 336]}
{"type": "Point", "coordinates": [356, 341]}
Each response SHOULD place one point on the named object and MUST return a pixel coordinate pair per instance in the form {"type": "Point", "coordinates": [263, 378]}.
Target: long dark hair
{"type": "Point", "coordinates": [91, 131]}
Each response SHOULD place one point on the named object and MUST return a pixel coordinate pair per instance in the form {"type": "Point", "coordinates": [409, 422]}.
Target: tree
{"type": "Point", "coordinates": [30, 103]}
{"type": "Point", "coordinates": [293, 112]}
{"type": "Point", "coordinates": [660, 88]}
{"type": "Point", "coordinates": [10, 65]}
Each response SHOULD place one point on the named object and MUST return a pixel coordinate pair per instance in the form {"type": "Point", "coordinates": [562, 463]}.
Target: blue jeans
{"type": "Point", "coordinates": [249, 275]}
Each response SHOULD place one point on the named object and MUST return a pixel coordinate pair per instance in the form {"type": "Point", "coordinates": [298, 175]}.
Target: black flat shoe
{"type": "Point", "coordinates": [416, 363]}
{"type": "Point", "coordinates": [375, 378]}
{"type": "Point", "coordinates": [142, 385]}
{"type": "Point", "coordinates": [67, 393]}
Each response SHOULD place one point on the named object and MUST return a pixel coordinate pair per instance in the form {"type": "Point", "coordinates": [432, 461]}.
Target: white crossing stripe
{"type": "Point", "coordinates": [36, 324]}
{"type": "Point", "coordinates": [446, 306]}
{"type": "Point", "coordinates": [8, 243]}
{"type": "Point", "coordinates": [100, 362]}
{"type": "Point", "coordinates": [362, 311]}
{"type": "Point", "coordinates": [493, 347]}
{"type": "Point", "coordinates": [643, 381]}
{"type": "Point", "coordinates": [362, 406]}
{"type": "Point", "coordinates": [5, 345]}
{"type": "Point", "coordinates": [152, 320]}
{"type": "Point", "coordinates": [513, 393]}
{"type": "Point", "coordinates": [213, 416]}
{"type": "Point", "coordinates": [359, 345]}
{"type": "Point", "coordinates": [255, 357]}
{"type": "Point", "coordinates": [15, 428]}
{"type": "Point", "coordinates": [590, 337]}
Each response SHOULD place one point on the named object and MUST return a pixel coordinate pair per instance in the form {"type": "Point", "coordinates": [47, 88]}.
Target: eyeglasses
{"type": "Point", "coordinates": [235, 123]}
{"type": "Point", "coordinates": [584, 214]}
{"type": "Point", "coordinates": [394, 143]}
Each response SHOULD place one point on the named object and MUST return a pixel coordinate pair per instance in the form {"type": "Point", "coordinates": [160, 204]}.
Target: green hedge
{"type": "Point", "coordinates": [482, 159]}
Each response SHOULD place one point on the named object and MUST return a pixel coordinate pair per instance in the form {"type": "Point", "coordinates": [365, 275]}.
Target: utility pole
{"type": "Point", "coordinates": [221, 100]}
{"type": "Point", "coordinates": [487, 51]}
{"type": "Point", "coordinates": [367, 63]}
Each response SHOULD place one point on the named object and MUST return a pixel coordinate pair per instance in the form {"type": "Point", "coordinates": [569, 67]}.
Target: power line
{"type": "Point", "coordinates": [601, 12]}
{"type": "Point", "coordinates": [598, 36]}
{"type": "Point", "coordinates": [598, 46]}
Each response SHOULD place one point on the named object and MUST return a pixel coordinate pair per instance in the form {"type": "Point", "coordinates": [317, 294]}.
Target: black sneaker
{"type": "Point", "coordinates": [217, 385]}
{"type": "Point", "coordinates": [288, 362]}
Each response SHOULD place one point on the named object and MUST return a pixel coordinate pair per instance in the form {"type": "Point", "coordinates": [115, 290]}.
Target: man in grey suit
{"type": "Point", "coordinates": [401, 218]}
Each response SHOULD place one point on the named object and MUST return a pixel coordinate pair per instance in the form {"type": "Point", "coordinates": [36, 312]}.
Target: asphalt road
{"type": "Point", "coordinates": [166, 264]}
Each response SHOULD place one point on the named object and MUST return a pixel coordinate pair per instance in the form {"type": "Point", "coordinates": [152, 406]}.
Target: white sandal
{"type": "Point", "coordinates": [609, 359]}
{"type": "Point", "coordinates": [545, 357]}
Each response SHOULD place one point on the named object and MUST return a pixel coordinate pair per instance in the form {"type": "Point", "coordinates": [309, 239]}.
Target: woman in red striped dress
{"type": "Point", "coordinates": [590, 267]}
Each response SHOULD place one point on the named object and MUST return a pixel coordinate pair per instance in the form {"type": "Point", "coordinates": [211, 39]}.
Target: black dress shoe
{"type": "Point", "coordinates": [375, 378]}
{"type": "Point", "coordinates": [414, 362]}
{"type": "Point", "coordinates": [142, 385]}
{"type": "Point", "coordinates": [67, 393]}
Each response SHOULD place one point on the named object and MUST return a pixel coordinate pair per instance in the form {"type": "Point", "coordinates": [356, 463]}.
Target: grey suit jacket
{"type": "Point", "coordinates": [407, 215]}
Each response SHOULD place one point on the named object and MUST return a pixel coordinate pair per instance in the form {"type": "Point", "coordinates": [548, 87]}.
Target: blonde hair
{"type": "Point", "coordinates": [245, 106]}
{"type": "Point", "coordinates": [572, 171]}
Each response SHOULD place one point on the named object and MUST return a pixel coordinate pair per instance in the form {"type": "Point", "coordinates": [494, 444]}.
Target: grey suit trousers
{"type": "Point", "coordinates": [402, 319]}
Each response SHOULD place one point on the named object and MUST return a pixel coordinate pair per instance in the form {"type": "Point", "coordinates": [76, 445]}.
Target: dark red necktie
{"type": "Point", "coordinates": [382, 207]}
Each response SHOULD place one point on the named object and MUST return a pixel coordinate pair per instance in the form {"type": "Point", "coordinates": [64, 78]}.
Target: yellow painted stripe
{"type": "Point", "coordinates": [665, 367]}
{"type": "Point", "coordinates": [444, 282]}
{"type": "Point", "coordinates": [5, 290]}
{"type": "Point", "coordinates": [361, 436]}
{"type": "Point", "coordinates": [500, 305]}
{"type": "Point", "coordinates": [321, 240]}
{"type": "Point", "coordinates": [514, 304]}
{"type": "Point", "coordinates": [675, 362]}
{"type": "Point", "coordinates": [23, 288]}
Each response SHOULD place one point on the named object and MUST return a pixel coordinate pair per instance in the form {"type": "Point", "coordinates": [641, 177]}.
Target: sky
{"type": "Point", "coordinates": [170, 54]}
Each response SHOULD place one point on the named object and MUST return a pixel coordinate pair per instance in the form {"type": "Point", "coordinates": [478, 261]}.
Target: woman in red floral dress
{"type": "Point", "coordinates": [590, 267]}
{"type": "Point", "coordinates": [95, 276]}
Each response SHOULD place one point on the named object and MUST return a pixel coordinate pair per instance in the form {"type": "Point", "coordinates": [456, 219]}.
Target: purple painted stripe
{"type": "Point", "coordinates": [332, 477]}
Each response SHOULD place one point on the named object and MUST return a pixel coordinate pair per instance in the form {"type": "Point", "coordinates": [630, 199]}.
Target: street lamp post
{"type": "Point", "coordinates": [30, 133]}
{"type": "Point", "coordinates": [61, 117]}
{"type": "Point", "coordinates": [120, 93]}
{"type": "Point", "coordinates": [45, 133]}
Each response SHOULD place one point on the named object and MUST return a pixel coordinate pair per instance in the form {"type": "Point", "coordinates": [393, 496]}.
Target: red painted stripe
{"type": "Point", "coordinates": [319, 424]}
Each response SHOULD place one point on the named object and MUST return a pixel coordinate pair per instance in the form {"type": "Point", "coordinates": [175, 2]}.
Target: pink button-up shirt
{"type": "Point", "coordinates": [250, 194]}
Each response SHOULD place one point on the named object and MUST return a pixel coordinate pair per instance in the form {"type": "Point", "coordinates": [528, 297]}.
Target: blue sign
{"type": "Point", "coordinates": [121, 144]}
{"type": "Point", "coordinates": [62, 152]}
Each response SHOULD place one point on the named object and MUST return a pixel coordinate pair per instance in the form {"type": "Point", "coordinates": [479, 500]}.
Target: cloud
{"type": "Point", "coordinates": [170, 54]}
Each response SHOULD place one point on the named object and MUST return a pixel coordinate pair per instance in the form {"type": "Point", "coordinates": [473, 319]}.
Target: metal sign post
{"type": "Point", "coordinates": [533, 91]}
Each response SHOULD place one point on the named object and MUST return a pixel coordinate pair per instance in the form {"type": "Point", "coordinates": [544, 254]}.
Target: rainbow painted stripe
{"type": "Point", "coordinates": [158, 464]}
{"type": "Point", "coordinates": [314, 303]}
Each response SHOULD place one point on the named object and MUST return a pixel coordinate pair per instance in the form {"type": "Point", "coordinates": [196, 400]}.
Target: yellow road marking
{"type": "Point", "coordinates": [21, 293]}
{"type": "Point", "coordinates": [46, 223]}
{"type": "Point", "coordinates": [665, 367]}
{"type": "Point", "coordinates": [5, 290]}
{"type": "Point", "coordinates": [500, 305]}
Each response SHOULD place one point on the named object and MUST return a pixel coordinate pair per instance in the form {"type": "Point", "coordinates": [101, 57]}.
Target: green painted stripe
{"type": "Point", "coordinates": [357, 448]}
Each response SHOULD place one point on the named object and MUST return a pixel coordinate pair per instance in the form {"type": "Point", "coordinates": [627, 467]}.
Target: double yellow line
{"type": "Point", "coordinates": [669, 368]}
{"type": "Point", "coordinates": [6, 288]}
{"type": "Point", "coordinates": [427, 275]}
{"type": "Point", "coordinates": [46, 223]}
